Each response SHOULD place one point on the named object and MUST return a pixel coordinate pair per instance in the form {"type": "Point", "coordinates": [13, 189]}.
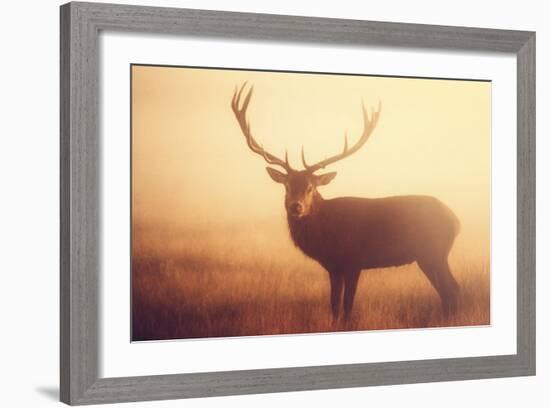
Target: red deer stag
{"type": "Point", "coordinates": [347, 235]}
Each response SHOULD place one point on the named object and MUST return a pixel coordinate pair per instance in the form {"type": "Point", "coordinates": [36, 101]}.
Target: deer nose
{"type": "Point", "coordinates": [296, 208]}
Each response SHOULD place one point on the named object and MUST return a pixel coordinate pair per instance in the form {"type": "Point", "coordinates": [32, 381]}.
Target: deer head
{"type": "Point", "coordinates": [301, 185]}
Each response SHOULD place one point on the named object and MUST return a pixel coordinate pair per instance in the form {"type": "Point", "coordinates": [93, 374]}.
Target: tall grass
{"type": "Point", "coordinates": [251, 280]}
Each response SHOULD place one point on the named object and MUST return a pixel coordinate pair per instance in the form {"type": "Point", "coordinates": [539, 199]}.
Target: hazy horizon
{"type": "Point", "coordinates": [191, 166]}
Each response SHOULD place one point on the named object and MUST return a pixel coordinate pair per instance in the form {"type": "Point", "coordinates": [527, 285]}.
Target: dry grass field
{"type": "Point", "coordinates": [250, 280]}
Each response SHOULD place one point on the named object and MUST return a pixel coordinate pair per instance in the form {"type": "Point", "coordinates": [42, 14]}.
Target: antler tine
{"type": "Point", "coordinates": [346, 141]}
{"type": "Point", "coordinates": [240, 115]}
{"type": "Point", "coordinates": [368, 127]}
{"type": "Point", "coordinates": [306, 166]}
{"type": "Point", "coordinates": [286, 159]}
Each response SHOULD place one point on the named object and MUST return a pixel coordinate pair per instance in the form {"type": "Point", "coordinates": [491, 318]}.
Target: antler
{"type": "Point", "coordinates": [369, 125]}
{"type": "Point", "coordinates": [240, 114]}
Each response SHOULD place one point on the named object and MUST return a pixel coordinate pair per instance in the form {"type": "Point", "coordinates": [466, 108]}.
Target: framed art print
{"type": "Point", "coordinates": [242, 192]}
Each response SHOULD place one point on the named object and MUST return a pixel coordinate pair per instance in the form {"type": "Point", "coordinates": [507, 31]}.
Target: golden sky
{"type": "Point", "coordinates": [191, 165]}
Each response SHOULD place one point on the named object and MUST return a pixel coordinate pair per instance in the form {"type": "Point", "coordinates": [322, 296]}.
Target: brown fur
{"type": "Point", "coordinates": [347, 235]}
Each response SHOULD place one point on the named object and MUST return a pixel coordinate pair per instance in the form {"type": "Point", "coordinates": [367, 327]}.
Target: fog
{"type": "Point", "coordinates": [191, 167]}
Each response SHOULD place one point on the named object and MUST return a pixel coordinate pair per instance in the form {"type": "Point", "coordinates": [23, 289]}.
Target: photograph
{"type": "Point", "coordinates": [286, 203]}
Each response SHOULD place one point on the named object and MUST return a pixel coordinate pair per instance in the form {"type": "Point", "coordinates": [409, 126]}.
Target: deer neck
{"type": "Point", "coordinates": [304, 230]}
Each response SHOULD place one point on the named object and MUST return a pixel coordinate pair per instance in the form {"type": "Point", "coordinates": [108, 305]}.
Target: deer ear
{"type": "Point", "coordinates": [276, 175]}
{"type": "Point", "coordinates": [324, 179]}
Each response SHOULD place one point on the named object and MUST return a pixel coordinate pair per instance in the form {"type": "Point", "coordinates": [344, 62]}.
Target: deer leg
{"type": "Point", "coordinates": [349, 292]}
{"type": "Point", "coordinates": [439, 275]}
{"type": "Point", "coordinates": [336, 285]}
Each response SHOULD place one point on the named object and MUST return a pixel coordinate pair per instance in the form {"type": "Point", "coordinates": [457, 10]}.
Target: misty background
{"type": "Point", "coordinates": [192, 169]}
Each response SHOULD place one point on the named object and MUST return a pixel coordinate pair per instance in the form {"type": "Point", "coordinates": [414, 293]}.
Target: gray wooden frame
{"type": "Point", "coordinates": [80, 234]}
